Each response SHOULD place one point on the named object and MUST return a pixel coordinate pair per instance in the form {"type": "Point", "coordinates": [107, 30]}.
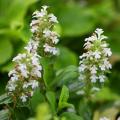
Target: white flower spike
{"type": "Point", "coordinates": [95, 62]}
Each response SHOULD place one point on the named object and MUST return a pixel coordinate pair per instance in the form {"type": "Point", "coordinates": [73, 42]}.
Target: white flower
{"type": "Point", "coordinates": [104, 45]}
{"type": "Point", "coordinates": [51, 35]}
{"type": "Point", "coordinates": [47, 33]}
{"type": "Point", "coordinates": [52, 18]}
{"type": "Point", "coordinates": [93, 69]}
{"type": "Point", "coordinates": [35, 59]}
{"type": "Point", "coordinates": [93, 78]}
{"type": "Point", "coordinates": [23, 98]}
{"type": "Point", "coordinates": [36, 71]}
{"type": "Point", "coordinates": [32, 46]}
{"type": "Point", "coordinates": [102, 67]}
{"type": "Point", "coordinates": [87, 45]}
{"type": "Point", "coordinates": [102, 78]}
{"type": "Point", "coordinates": [23, 70]}
{"type": "Point", "coordinates": [14, 78]}
{"type": "Point", "coordinates": [25, 85]}
{"type": "Point", "coordinates": [19, 57]}
{"type": "Point", "coordinates": [34, 29]}
{"type": "Point", "coordinates": [11, 86]}
{"type": "Point", "coordinates": [95, 89]}
{"type": "Point", "coordinates": [97, 54]}
{"type": "Point", "coordinates": [42, 13]}
{"type": "Point", "coordinates": [34, 84]}
{"type": "Point", "coordinates": [102, 37]}
{"type": "Point", "coordinates": [50, 49]}
{"type": "Point", "coordinates": [107, 51]}
{"type": "Point", "coordinates": [11, 72]}
{"type": "Point", "coordinates": [99, 31]}
{"type": "Point", "coordinates": [44, 7]}
{"type": "Point", "coordinates": [107, 64]}
{"type": "Point", "coordinates": [34, 22]}
{"type": "Point", "coordinates": [82, 67]}
{"type": "Point", "coordinates": [91, 39]}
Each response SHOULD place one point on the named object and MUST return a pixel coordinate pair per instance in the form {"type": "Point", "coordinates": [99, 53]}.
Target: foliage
{"type": "Point", "coordinates": [77, 19]}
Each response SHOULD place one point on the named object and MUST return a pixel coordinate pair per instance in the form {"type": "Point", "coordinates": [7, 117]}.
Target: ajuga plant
{"type": "Point", "coordinates": [94, 63]}
{"type": "Point", "coordinates": [29, 72]}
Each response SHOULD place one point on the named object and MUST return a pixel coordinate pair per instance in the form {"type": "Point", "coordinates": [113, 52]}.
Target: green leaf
{"type": "Point", "coordinates": [6, 50]}
{"type": "Point", "coordinates": [52, 100]}
{"type": "Point", "coordinates": [12, 13]}
{"type": "Point", "coordinates": [48, 71]}
{"type": "Point", "coordinates": [43, 112]}
{"type": "Point", "coordinates": [85, 110]}
{"type": "Point", "coordinates": [5, 99]}
{"type": "Point", "coordinates": [71, 116]}
{"type": "Point", "coordinates": [66, 58]}
{"type": "Point", "coordinates": [64, 98]}
{"type": "Point", "coordinates": [4, 114]}
{"type": "Point", "coordinates": [65, 76]}
{"type": "Point", "coordinates": [36, 99]}
{"type": "Point", "coordinates": [76, 20]}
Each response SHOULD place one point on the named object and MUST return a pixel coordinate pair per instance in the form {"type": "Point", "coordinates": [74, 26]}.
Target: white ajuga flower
{"type": "Point", "coordinates": [23, 98]}
{"type": "Point", "coordinates": [94, 64]}
{"type": "Point", "coordinates": [25, 76]}
{"type": "Point", "coordinates": [42, 25]}
{"type": "Point", "coordinates": [19, 57]}
{"type": "Point", "coordinates": [34, 84]}
{"type": "Point", "coordinates": [52, 18]}
{"type": "Point", "coordinates": [50, 49]}
{"type": "Point", "coordinates": [96, 54]}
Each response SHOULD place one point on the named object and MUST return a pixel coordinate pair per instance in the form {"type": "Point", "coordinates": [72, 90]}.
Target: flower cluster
{"type": "Point", "coordinates": [95, 62]}
{"type": "Point", "coordinates": [41, 26]}
{"type": "Point", "coordinates": [24, 78]}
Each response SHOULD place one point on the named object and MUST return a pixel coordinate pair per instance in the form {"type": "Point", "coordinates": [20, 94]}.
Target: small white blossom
{"type": "Point", "coordinates": [11, 72]}
{"type": "Point", "coordinates": [102, 78]}
{"type": "Point", "coordinates": [14, 77]}
{"type": "Point", "coordinates": [34, 84]}
{"type": "Point", "coordinates": [95, 89]}
{"type": "Point", "coordinates": [107, 64]}
{"type": "Point", "coordinates": [93, 69]}
{"type": "Point", "coordinates": [11, 86]}
{"type": "Point", "coordinates": [36, 71]}
{"type": "Point", "coordinates": [19, 57]}
{"type": "Point", "coordinates": [23, 70]}
{"type": "Point", "coordinates": [25, 85]}
{"type": "Point", "coordinates": [97, 54]}
{"type": "Point", "coordinates": [23, 98]}
{"type": "Point", "coordinates": [107, 51]}
{"type": "Point", "coordinates": [34, 29]}
{"type": "Point", "coordinates": [82, 68]}
{"type": "Point", "coordinates": [53, 18]}
{"type": "Point", "coordinates": [99, 32]}
{"type": "Point", "coordinates": [34, 22]}
{"type": "Point", "coordinates": [93, 78]}
{"type": "Point", "coordinates": [50, 49]}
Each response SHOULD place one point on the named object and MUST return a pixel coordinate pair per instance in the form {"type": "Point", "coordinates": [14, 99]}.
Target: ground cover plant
{"type": "Point", "coordinates": [47, 80]}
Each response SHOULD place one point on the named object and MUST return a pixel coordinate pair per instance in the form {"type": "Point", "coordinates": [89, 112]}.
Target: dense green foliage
{"type": "Point", "coordinates": [77, 20]}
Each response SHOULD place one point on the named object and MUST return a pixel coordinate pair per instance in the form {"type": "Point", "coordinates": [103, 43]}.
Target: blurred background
{"type": "Point", "coordinates": [77, 20]}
